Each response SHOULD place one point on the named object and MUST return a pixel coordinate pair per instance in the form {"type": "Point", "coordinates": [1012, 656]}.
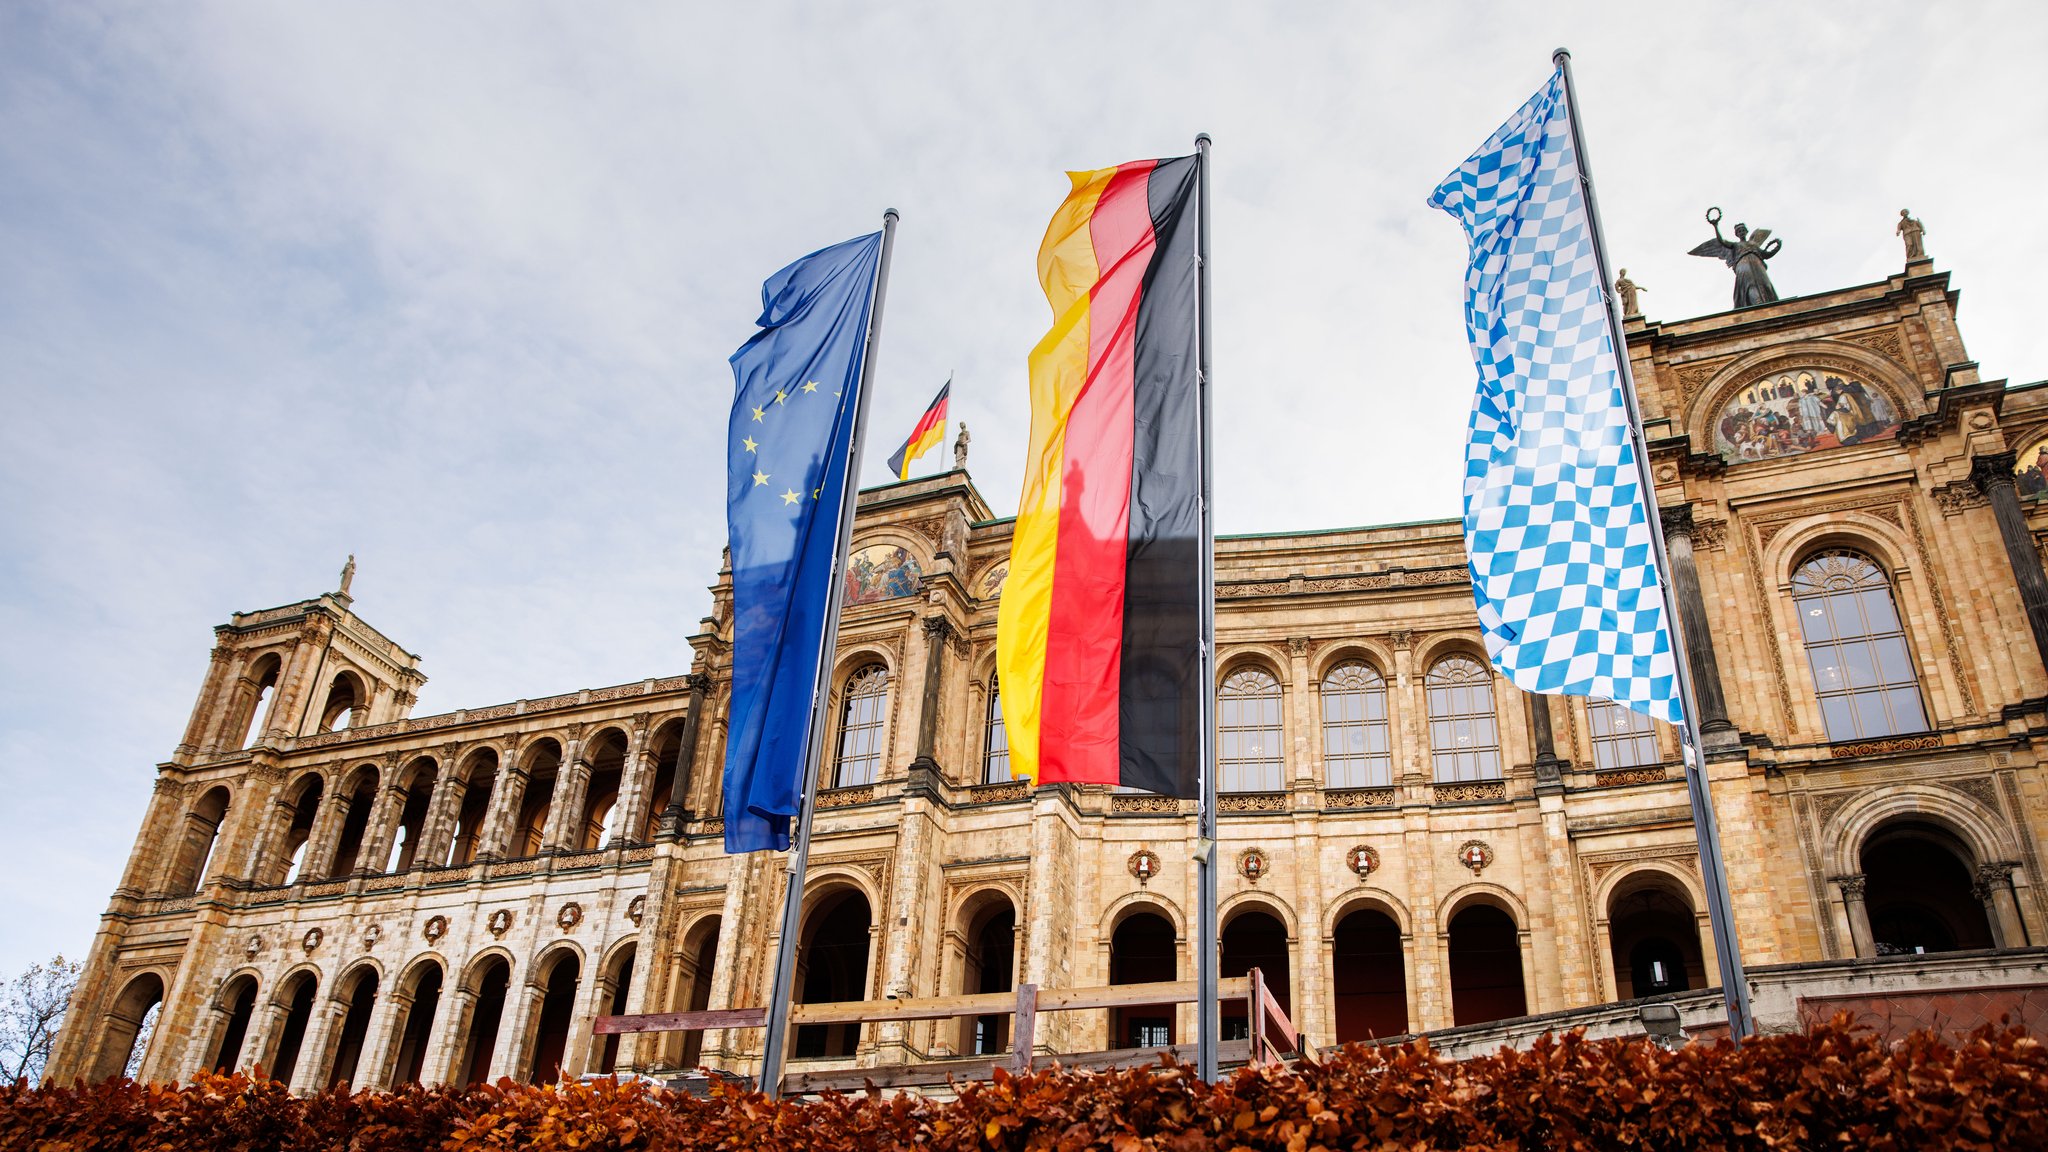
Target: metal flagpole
{"type": "Point", "coordinates": [1208, 1022]}
{"type": "Point", "coordinates": [774, 1052]}
{"type": "Point", "coordinates": [1714, 871]}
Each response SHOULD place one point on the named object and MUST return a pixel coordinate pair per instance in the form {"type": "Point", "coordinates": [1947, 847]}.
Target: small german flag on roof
{"type": "Point", "coordinates": [930, 430]}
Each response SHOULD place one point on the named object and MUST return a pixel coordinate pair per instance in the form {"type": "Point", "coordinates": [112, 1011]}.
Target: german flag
{"type": "Point", "coordinates": [1099, 628]}
{"type": "Point", "coordinates": [931, 428]}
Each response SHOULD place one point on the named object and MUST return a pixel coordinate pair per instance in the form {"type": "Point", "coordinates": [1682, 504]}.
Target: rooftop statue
{"type": "Point", "coordinates": [1746, 254]}
{"type": "Point", "coordinates": [1912, 231]}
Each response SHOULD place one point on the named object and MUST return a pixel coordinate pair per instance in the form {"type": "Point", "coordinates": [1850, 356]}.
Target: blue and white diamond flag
{"type": "Point", "coordinates": [1556, 524]}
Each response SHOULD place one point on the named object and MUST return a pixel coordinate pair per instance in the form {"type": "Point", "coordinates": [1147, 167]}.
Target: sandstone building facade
{"type": "Point", "coordinates": [338, 891]}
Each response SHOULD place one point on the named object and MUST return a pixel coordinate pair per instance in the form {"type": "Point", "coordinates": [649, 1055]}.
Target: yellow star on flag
{"type": "Point", "coordinates": [780, 395]}
{"type": "Point", "coordinates": [811, 386]}
{"type": "Point", "coordinates": [758, 413]}
{"type": "Point", "coordinates": [791, 497]}
{"type": "Point", "coordinates": [749, 444]}
{"type": "Point", "coordinates": [760, 478]}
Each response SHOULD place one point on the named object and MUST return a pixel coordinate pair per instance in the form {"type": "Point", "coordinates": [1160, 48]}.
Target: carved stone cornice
{"type": "Point", "coordinates": [1959, 495]}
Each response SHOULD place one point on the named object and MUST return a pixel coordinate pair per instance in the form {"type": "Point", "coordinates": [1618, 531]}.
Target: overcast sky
{"type": "Point", "coordinates": [451, 287]}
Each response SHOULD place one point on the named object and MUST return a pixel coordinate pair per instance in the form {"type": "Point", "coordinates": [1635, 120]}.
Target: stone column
{"type": "Point", "coordinates": [445, 1037]}
{"type": "Point", "coordinates": [1993, 476]}
{"type": "Point", "coordinates": [1859, 916]}
{"type": "Point", "coordinates": [1715, 729]}
{"type": "Point", "coordinates": [678, 812]}
{"type": "Point", "coordinates": [310, 1075]}
{"type": "Point", "coordinates": [2001, 905]}
{"type": "Point", "coordinates": [516, 1029]}
{"type": "Point", "coordinates": [572, 786]}
{"type": "Point", "coordinates": [1549, 768]}
{"type": "Point", "coordinates": [373, 1066]}
{"type": "Point", "coordinates": [444, 806]}
{"type": "Point", "coordinates": [383, 827]}
{"type": "Point", "coordinates": [636, 782]}
{"type": "Point", "coordinates": [506, 799]}
{"type": "Point", "coordinates": [924, 768]}
{"type": "Point", "coordinates": [325, 835]}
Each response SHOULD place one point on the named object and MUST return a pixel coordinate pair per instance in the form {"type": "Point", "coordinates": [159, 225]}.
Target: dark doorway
{"type": "Point", "coordinates": [1918, 893]}
{"type": "Point", "coordinates": [1253, 940]}
{"type": "Point", "coordinates": [419, 1025]}
{"type": "Point", "coordinates": [557, 1007]}
{"type": "Point", "coordinates": [298, 1012]}
{"type": "Point", "coordinates": [241, 1004]}
{"type": "Point", "coordinates": [483, 1021]}
{"type": "Point", "coordinates": [1369, 977]}
{"type": "Point", "coordinates": [1486, 966]}
{"type": "Point", "coordinates": [835, 969]}
{"type": "Point", "coordinates": [355, 1025]}
{"type": "Point", "coordinates": [1656, 942]}
{"type": "Point", "coordinates": [702, 957]}
{"type": "Point", "coordinates": [991, 961]}
{"type": "Point", "coordinates": [1142, 951]}
{"type": "Point", "coordinates": [615, 1005]}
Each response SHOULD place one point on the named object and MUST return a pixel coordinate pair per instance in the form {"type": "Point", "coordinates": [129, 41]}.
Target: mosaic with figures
{"type": "Point", "coordinates": [2031, 470]}
{"type": "Point", "coordinates": [881, 572]}
{"type": "Point", "coordinates": [1787, 413]}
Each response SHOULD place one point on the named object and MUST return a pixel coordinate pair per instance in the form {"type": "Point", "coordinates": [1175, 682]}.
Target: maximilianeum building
{"type": "Point", "coordinates": [337, 891]}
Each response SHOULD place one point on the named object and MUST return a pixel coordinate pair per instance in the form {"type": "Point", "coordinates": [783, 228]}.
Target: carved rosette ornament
{"type": "Point", "coordinates": [1363, 860]}
{"type": "Point", "coordinates": [1476, 855]}
{"type": "Point", "coordinates": [570, 916]}
{"type": "Point", "coordinates": [499, 923]}
{"type": "Point", "coordinates": [1252, 864]}
{"type": "Point", "coordinates": [436, 927]}
{"type": "Point", "coordinates": [1144, 864]}
{"type": "Point", "coordinates": [311, 940]}
{"type": "Point", "coordinates": [636, 910]}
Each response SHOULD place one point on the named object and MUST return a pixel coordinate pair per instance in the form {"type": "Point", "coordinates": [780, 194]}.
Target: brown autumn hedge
{"type": "Point", "coordinates": [1831, 1088]}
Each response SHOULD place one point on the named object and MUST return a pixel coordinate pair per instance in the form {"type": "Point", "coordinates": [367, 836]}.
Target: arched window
{"type": "Point", "coordinates": [1856, 648]}
{"type": "Point", "coordinates": [1622, 737]}
{"type": "Point", "coordinates": [995, 757]}
{"type": "Point", "coordinates": [1248, 724]}
{"type": "Point", "coordinates": [1356, 753]}
{"type": "Point", "coordinates": [1464, 740]}
{"type": "Point", "coordinates": [861, 717]}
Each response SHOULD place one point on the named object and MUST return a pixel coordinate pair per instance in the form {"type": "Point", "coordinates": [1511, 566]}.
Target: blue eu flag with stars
{"type": "Point", "coordinates": [797, 385]}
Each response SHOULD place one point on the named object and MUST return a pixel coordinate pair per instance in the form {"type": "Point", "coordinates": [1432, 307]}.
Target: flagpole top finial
{"type": "Point", "coordinates": [1560, 56]}
{"type": "Point", "coordinates": [891, 215]}
{"type": "Point", "coordinates": [1202, 140]}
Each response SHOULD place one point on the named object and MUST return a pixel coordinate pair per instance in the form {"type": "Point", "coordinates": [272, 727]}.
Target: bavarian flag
{"type": "Point", "coordinates": [1099, 630]}
{"type": "Point", "coordinates": [930, 430]}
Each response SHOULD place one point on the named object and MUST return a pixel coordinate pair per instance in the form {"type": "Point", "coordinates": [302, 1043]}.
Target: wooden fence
{"type": "Point", "coordinates": [1266, 1019]}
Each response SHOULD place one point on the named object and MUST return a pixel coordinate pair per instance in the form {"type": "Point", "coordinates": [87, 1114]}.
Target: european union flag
{"type": "Point", "coordinates": [791, 431]}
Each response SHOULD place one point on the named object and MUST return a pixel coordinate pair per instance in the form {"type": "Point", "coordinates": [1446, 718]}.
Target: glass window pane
{"type": "Point", "coordinates": [1859, 663]}
{"type": "Point", "coordinates": [1893, 666]}
{"type": "Point", "coordinates": [1839, 718]}
{"type": "Point", "coordinates": [1813, 620]}
{"type": "Point", "coordinates": [1870, 716]}
{"type": "Point", "coordinates": [1906, 713]}
{"type": "Point", "coordinates": [1877, 610]}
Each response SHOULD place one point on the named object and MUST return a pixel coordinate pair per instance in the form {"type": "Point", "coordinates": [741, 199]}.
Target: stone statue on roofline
{"type": "Point", "coordinates": [1912, 231]}
{"type": "Point", "coordinates": [348, 573]}
{"type": "Point", "coordinates": [960, 447]}
{"type": "Point", "coordinates": [1629, 291]}
{"type": "Point", "coordinates": [1746, 254]}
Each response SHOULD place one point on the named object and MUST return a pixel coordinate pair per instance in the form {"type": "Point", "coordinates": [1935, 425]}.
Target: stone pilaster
{"type": "Point", "coordinates": [1992, 473]}
{"type": "Point", "coordinates": [678, 812]}
{"type": "Point", "coordinates": [1860, 935]}
{"type": "Point", "coordinates": [1715, 729]}
{"type": "Point", "coordinates": [925, 773]}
